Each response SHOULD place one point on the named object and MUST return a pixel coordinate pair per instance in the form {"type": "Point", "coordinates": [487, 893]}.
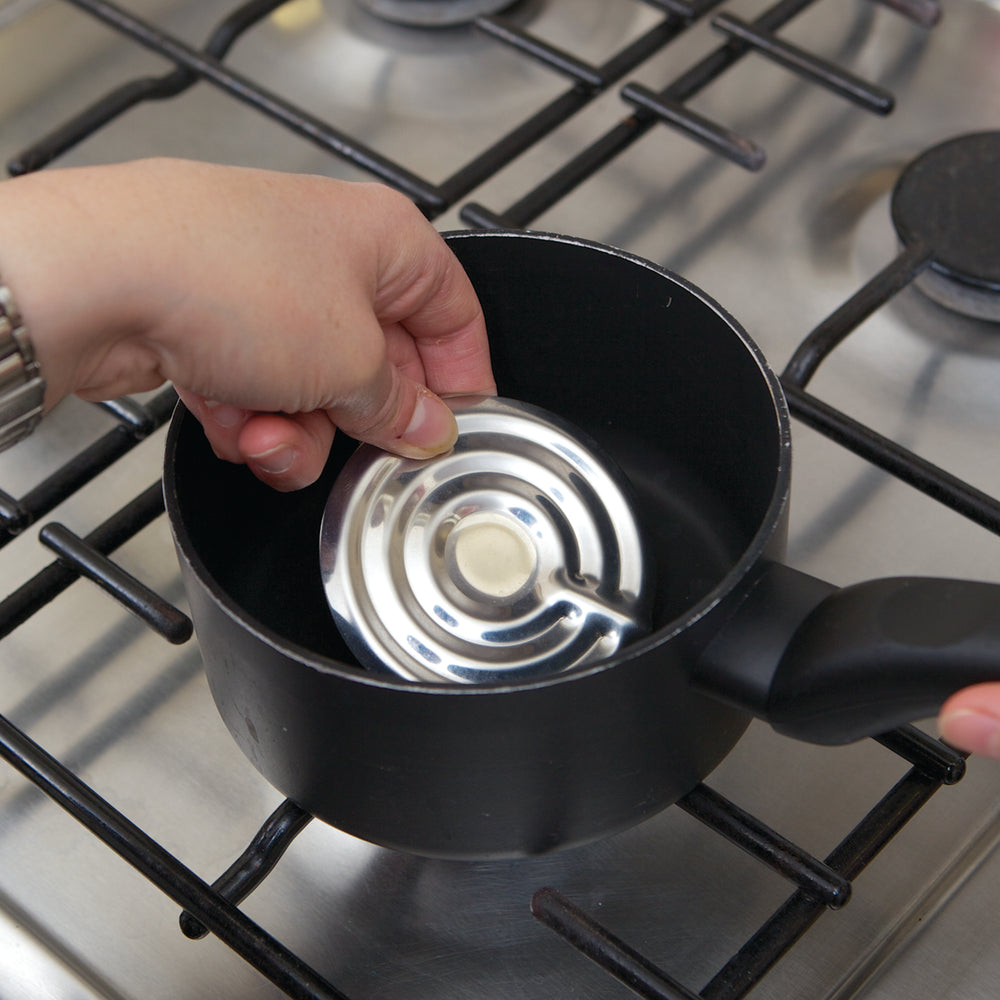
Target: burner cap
{"type": "Point", "coordinates": [948, 198]}
{"type": "Point", "coordinates": [433, 13]}
{"type": "Point", "coordinates": [514, 556]}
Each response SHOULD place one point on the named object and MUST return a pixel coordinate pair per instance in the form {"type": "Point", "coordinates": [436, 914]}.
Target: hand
{"type": "Point", "coordinates": [281, 306]}
{"type": "Point", "coordinates": [970, 719]}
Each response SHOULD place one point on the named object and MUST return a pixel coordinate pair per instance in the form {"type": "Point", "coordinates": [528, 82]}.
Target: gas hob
{"type": "Point", "coordinates": [783, 217]}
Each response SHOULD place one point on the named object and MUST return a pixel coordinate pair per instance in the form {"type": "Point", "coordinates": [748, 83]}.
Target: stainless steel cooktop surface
{"type": "Point", "coordinates": [780, 249]}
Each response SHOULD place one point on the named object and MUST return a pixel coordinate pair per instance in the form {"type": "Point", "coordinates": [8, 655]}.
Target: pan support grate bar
{"type": "Point", "coordinates": [14, 516]}
{"type": "Point", "coordinates": [85, 560]}
{"type": "Point", "coordinates": [558, 111]}
{"type": "Point", "coordinates": [255, 863]}
{"type": "Point", "coordinates": [585, 934]}
{"type": "Point", "coordinates": [297, 119]}
{"type": "Point", "coordinates": [774, 938]}
{"type": "Point", "coordinates": [894, 458]}
{"type": "Point", "coordinates": [128, 95]}
{"type": "Point", "coordinates": [717, 138]}
{"type": "Point", "coordinates": [557, 59]}
{"type": "Point", "coordinates": [131, 414]}
{"type": "Point", "coordinates": [747, 832]}
{"type": "Point", "coordinates": [928, 478]}
{"type": "Point", "coordinates": [433, 199]}
{"type": "Point", "coordinates": [221, 917]}
{"type": "Point", "coordinates": [817, 346]}
{"type": "Point", "coordinates": [50, 582]}
{"type": "Point", "coordinates": [667, 105]}
{"type": "Point", "coordinates": [807, 65]}
{"type": "Point", "coordinates": [932, 757]}
{"type": "Point", "coordinates": [799, 912]}
{"type": "Point", "coordinates": [136, 422]}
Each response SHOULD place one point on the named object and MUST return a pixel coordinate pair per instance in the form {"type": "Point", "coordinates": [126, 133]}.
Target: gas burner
{"type": "Point", "coordinates": [433, 13]}
{"type": "Point", "coordinates": [948, 199]}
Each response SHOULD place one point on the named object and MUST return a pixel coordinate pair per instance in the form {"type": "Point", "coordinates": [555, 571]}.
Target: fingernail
{"type": "Point", "coordinates": [972, 731]}
{"type": "Point", "coordinates": [223, 414]}
{"type": "Point", "coordinates": [432, 427]}
{"type": "Point", "coordinates": [274, 462]}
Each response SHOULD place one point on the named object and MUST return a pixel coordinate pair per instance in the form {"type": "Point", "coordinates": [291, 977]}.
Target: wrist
{"type": "Point", "coordinates": [67, 260]}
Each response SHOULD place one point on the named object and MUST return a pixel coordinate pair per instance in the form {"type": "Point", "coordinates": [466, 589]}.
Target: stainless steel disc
{"type": "Point", "coordinates": [513, 556]}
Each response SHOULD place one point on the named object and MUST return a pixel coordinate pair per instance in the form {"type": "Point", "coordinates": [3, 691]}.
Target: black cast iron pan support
{"type": "Point", "coordinates": [206, 65]}
{"type": "Point", "coordinates": [210, 908]}
{"type": "Point", "coordinates": [669, 104]}
{"type": "Point", "coordinates": [868, 444]}
{"type": "Point", "coordinates": [135, 422]}
{"type": "Point", "coordinates": [934, 765]}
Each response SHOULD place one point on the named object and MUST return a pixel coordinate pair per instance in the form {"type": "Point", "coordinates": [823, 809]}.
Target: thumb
{"type": "Point", "coordinates": [399, 415]}
{"type": "Point", "coordinates": [970, 719]}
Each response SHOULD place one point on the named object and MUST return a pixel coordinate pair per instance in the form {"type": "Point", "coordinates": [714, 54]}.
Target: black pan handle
{"type": "Point", "coordinates": [832, 666]}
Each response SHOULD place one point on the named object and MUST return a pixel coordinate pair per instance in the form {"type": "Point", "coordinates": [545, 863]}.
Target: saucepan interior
{"type": "Point", "coordinates": [646, 365]}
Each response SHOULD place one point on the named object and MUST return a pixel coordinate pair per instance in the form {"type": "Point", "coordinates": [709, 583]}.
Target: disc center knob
{"type": "Point", "coordinates": [491, 555]}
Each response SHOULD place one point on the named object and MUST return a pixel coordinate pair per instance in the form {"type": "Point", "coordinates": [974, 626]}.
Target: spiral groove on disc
{"type": "Point", "coordinates": [514, 556]}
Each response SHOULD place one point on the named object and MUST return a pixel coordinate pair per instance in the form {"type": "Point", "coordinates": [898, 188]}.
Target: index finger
{"type": "Point", "coordinates": [449, 329]}
{"type": "Point", "coordinates": [423, 288]}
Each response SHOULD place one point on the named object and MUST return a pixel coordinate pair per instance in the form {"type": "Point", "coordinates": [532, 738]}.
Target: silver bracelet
{"type": "Point", "coordinates": [22, 388]}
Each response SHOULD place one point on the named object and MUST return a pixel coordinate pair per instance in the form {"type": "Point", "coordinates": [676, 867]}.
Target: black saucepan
{"type": "Point", "coordinates": [676, 392]}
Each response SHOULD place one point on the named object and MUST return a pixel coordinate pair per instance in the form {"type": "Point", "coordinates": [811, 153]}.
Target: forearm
{"type": "Point", "coordinates": [73, 283]}
{"type": "Point", "coordinates": [299, 303]}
